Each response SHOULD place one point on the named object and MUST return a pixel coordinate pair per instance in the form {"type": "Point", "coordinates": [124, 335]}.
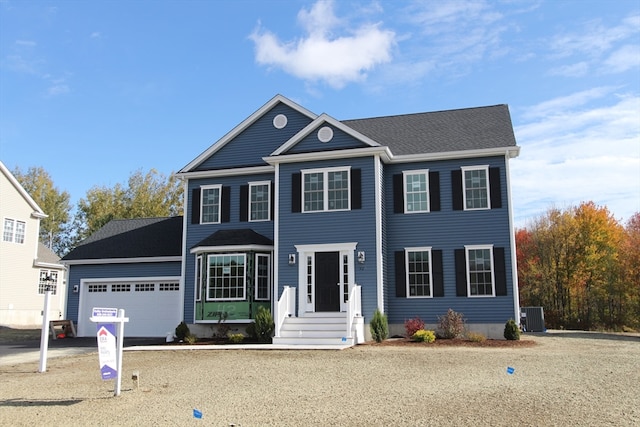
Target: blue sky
{"type": "Point", "coordinates": [93, 91]}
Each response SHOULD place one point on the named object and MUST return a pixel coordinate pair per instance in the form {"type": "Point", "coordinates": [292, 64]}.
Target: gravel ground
{"type": "Point", "coordinates": [564, 379]}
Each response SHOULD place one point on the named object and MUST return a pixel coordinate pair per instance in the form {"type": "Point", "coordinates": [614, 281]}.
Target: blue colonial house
{"type": "Point", "coordinates": [324, 221]}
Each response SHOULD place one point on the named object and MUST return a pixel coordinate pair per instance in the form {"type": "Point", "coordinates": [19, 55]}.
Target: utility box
{"type": "Point", "coordinates": [532, 319]}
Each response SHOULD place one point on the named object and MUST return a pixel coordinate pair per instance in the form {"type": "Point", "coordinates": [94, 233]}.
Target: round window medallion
{"type": "Point", "coordinates": [325, 134]}
{"type": "Point", "coordinates": [279, 121]}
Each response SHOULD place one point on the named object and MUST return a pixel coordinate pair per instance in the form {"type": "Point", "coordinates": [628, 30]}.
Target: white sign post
{"type": "Point", "coordinates": [110, 326]}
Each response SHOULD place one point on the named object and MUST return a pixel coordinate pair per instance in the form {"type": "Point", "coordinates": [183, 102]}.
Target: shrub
{"type": "Point", "coordinates": [182, 331]}
{"type": "Point", "coordinates": [379, 326]}
{"type": "Point", "coordinates": [264, 325]}
{"type": "Point", "coordinates": [511, 330]}
{"type": "Point", "coordinates": [412, 326]}
{"type": "Point", "coordinates": [423, 336]}
{"type": "Point", "coordinates": [236, 338]}
{"type": "Point", "coordinates": [191, 339]}
{"type": "Point", "coordinates": [476, 337]}
{"type": "Point", "coordinates": [451, 325]}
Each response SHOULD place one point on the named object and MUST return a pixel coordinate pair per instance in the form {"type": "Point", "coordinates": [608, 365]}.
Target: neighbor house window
{"type": "Point", "coordinates": [416, 191]}
{"type": "Point", "coordinates": [476, 187]}
{"type": "Point", "coordinates": [48, 278]}
{"type": "Point", "coordinates": [226, 277]}
{"type": "Point", "coordinates": [418, 268]}
{"type": "Point", "coordinates": [14, 231]}
{"type": "Point", "coordinates": [210, 205]}
{"type": "Point", "coordinates": [480, 276]}
{"type": "Point", "coordinates": [263, 277]}
{"type": "Point", "coordinates": [326, 190]}
{"type": "Point", "coordinates": [259, 201]}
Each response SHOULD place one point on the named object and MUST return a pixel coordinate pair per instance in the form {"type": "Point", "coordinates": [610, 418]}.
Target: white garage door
{"type": "Point", "coordinates": [151, 304]}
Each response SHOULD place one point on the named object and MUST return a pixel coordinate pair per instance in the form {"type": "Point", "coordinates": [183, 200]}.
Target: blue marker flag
{"type": "Point", "coordinates": [197, 414]}
{"type": "Point", "coordinates": [510, 370]}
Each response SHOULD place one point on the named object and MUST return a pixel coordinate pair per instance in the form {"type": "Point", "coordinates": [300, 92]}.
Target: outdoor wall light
{"type": "Point", "coordinates": [76, 289]}
{"type": "Point", "coordinates": [361, 257]}
{"type": "Point", "coordinates": [292, 259]}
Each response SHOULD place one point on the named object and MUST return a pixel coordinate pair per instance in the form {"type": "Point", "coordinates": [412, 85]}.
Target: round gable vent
{"type": "Point", "coordinates": [279, 121]}
{"type": "Point", "coordinates": [325, 134]}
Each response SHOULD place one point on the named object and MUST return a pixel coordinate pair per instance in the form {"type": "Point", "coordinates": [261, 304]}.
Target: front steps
{"type": "Point", "coordinates": [318, 329]}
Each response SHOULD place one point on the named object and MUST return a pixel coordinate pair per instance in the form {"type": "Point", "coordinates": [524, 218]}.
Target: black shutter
{"type": "Point", "coordinates": [273, 198]}
{"type": "Point", "coordinates": [438, 275]}
{"type": "Point", "coordinates": [500, 271]}
{"type": "Point", "coordinates": [434, 191]}
{"type": "Point", "coordinates": [244, 203]}
{"type": "Point", "coordinates": [461, 273]}
{"type": "Point", "coordinates": [398, 193]}
{"type": "Point", "coordinates": [225, 204]}
{"type": "Point", "coordinates": [356, 189]}
{"type": "Point", "coordinates": [456, 189]}
{"type": "Point", "coordinates": [296, 189]}
{"type": "Point", "coordinates": [401, 285]}
{"type": "Point", "coordinates": [195, 206]}
{"type": "Point", "coordinates": [494, 188]}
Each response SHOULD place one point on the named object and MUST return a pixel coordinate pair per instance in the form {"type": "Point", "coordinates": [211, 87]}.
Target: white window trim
{"type": "Point", "coordinates": [269, 277]}
{"type": "Point", "coordinates": [325, 190]}
{"type": "Point", "coordinates": [406, 271]}
{"type": "Point", "coordinates": [198, 278]}
{"type": "Point", "coordinates": [464, 188]}
{"type": "Point", "coordinates": [468, 248]}
{"type": "Point", "coordinates": [244, 281]}
{"type": "Point", "coordinates": [424, 172]}
{"type": "Point", "coordinates": [14, 230]}
{"type": "Point", "coordinates": [255, 184]}
{"type": "Point", "coordinates": [210, 187]}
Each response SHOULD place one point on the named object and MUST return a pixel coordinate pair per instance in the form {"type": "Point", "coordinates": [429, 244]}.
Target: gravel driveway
{"type": "Point", "coordinates": [565, 379]}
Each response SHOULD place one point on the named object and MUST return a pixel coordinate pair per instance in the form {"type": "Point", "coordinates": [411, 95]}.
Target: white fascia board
{"type": "Point", "coordinates": [322, 120]}
{"type": "Point", "coordinates": [227, 172]}
{"type": "Point", "coordinates": [242, 126]}
{"type": "Point", "coordinates": [122, 260]}
{"type": "Point", "coordinates": [49, 265]}
{"type": "Point", "coordinates": [231, 248]}
{"type": "Point", "coordinates": [38, 212]}
{"type": "Point", "coordinates": [383, 152]}
{"type": "Point", "coordinates": [510, 152]}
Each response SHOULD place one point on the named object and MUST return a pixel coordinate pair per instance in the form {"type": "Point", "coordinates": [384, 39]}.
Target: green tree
{"type": "Point", "coordinates": [56, 204]}
{"type": "Point", "coordinates": [145, 196]}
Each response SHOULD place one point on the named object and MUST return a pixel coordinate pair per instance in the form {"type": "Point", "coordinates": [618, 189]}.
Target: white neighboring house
{"type": "Point", "coordinates": [26, 266]}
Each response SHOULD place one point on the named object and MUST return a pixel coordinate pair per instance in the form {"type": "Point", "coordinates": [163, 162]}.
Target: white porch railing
{"type": "Point", "coordinates": [354, 308]}
{"type": "Point", "coordinates": [285, 307]}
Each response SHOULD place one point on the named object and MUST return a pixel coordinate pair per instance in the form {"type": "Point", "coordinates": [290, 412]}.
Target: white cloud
{"type": "Point", "coordinates": [573, 70]}
{"type": "Point", "coordinates": [323, 56]}
{"type": "Point", "coordinates": [58, 88]}
{"type": "Point", "coordinates": [623, 59]}
{"type": "Point", "coordinates": [27, 43]}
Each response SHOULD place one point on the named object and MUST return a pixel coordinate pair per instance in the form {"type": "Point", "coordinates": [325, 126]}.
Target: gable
{"type": "Point", "coordinates": [10, 184]}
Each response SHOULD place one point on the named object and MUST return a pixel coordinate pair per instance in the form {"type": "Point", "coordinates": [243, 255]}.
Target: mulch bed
{"type": "Point", "coordinates": [455, 342]}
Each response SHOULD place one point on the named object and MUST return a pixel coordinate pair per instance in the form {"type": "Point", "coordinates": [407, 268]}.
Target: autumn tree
{"type": "Point", "coordinates": [145, 195]}
{"type": "Point", "coordinates": [55, 228]}
{"type": "Point", "coordinates": [630, 268]}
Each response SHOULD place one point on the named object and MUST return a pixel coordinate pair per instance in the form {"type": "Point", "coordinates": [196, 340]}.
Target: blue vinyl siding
{"type": "Point", "coordinates": [448, 230]}
{"type": "Point", "coordinates": [111, 271]}
{"type": "Point", "coordinates": [340, 141]}
{"type": "Point", "coordinates": [257, 141]}
{"type": "Point", "coordinates": [356, 225]}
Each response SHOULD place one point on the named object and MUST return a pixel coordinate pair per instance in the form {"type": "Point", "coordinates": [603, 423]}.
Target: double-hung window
{"type": "Point", "coordinates": [326, 190]}
{"type": "Point", "coordinates": [48, 278]}
{"type": "Point", "coordinates": [480, 271]}
{"type": "Point", "coordinates": [210, 204]}
{"type": "Point", "coordinates": [259, 201]}
{"type": "Point", "coordinates": [416, 191]}
{"type": "Point", "coordinates": [418, 270]}
{"type": "Point", "coordinates": [226, 277]}
{"type": "Point", "coordinates": [475, 181]}
{"type": "Point", "coordinates": [14, 231]}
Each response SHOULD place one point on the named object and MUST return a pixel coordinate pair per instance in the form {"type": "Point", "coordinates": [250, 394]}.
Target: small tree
{"type": "Point", "coordinates": [379, 326]}
{"type": "Point", "coordinates": [511, 330]}
{"type": "Point", "coordinates": [263, 326]}
{"type": "Point", "coordinates": [182, 331]}
{"type": "Point", "coordinates": [451, 325]}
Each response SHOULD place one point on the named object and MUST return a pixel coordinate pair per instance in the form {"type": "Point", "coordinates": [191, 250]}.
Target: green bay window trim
{"type": "Point", "coordinates": [329, 189]}
{"type": "Point", "coordinates": [419, 273]}
{"type": "Point", "coordinates": [476, 188]}
{"type": "Point", "coordinates": [226, 277]}
{"type": "Point", "coordinates": [14, 231]}
{"type": "Point", "coordinates": [416, 191]}
{"type": "Point", "coordinates": [480, 271]}
{"type": "Point", "coordinates": [210, 204]}
{"type": "Point", "coordinates": [256, 201]}
{"type": "Point", "coordinates": [198, 277]}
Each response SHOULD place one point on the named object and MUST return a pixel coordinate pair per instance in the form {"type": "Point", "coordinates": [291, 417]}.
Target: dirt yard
{"type": "Point", "coordinates": [563, 379]}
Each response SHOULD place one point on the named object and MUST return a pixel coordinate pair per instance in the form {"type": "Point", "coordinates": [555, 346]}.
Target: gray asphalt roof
{"type": "Point", "coordinates": [440, 131]}
{"type": "Point", "coordinates": [235, 237]}
{"type": "Point", "coordinates": [132, 238]}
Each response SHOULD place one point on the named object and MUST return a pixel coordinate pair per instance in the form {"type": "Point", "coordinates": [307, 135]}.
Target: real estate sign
{"type": "Point", "coordinates": [107, 352]}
